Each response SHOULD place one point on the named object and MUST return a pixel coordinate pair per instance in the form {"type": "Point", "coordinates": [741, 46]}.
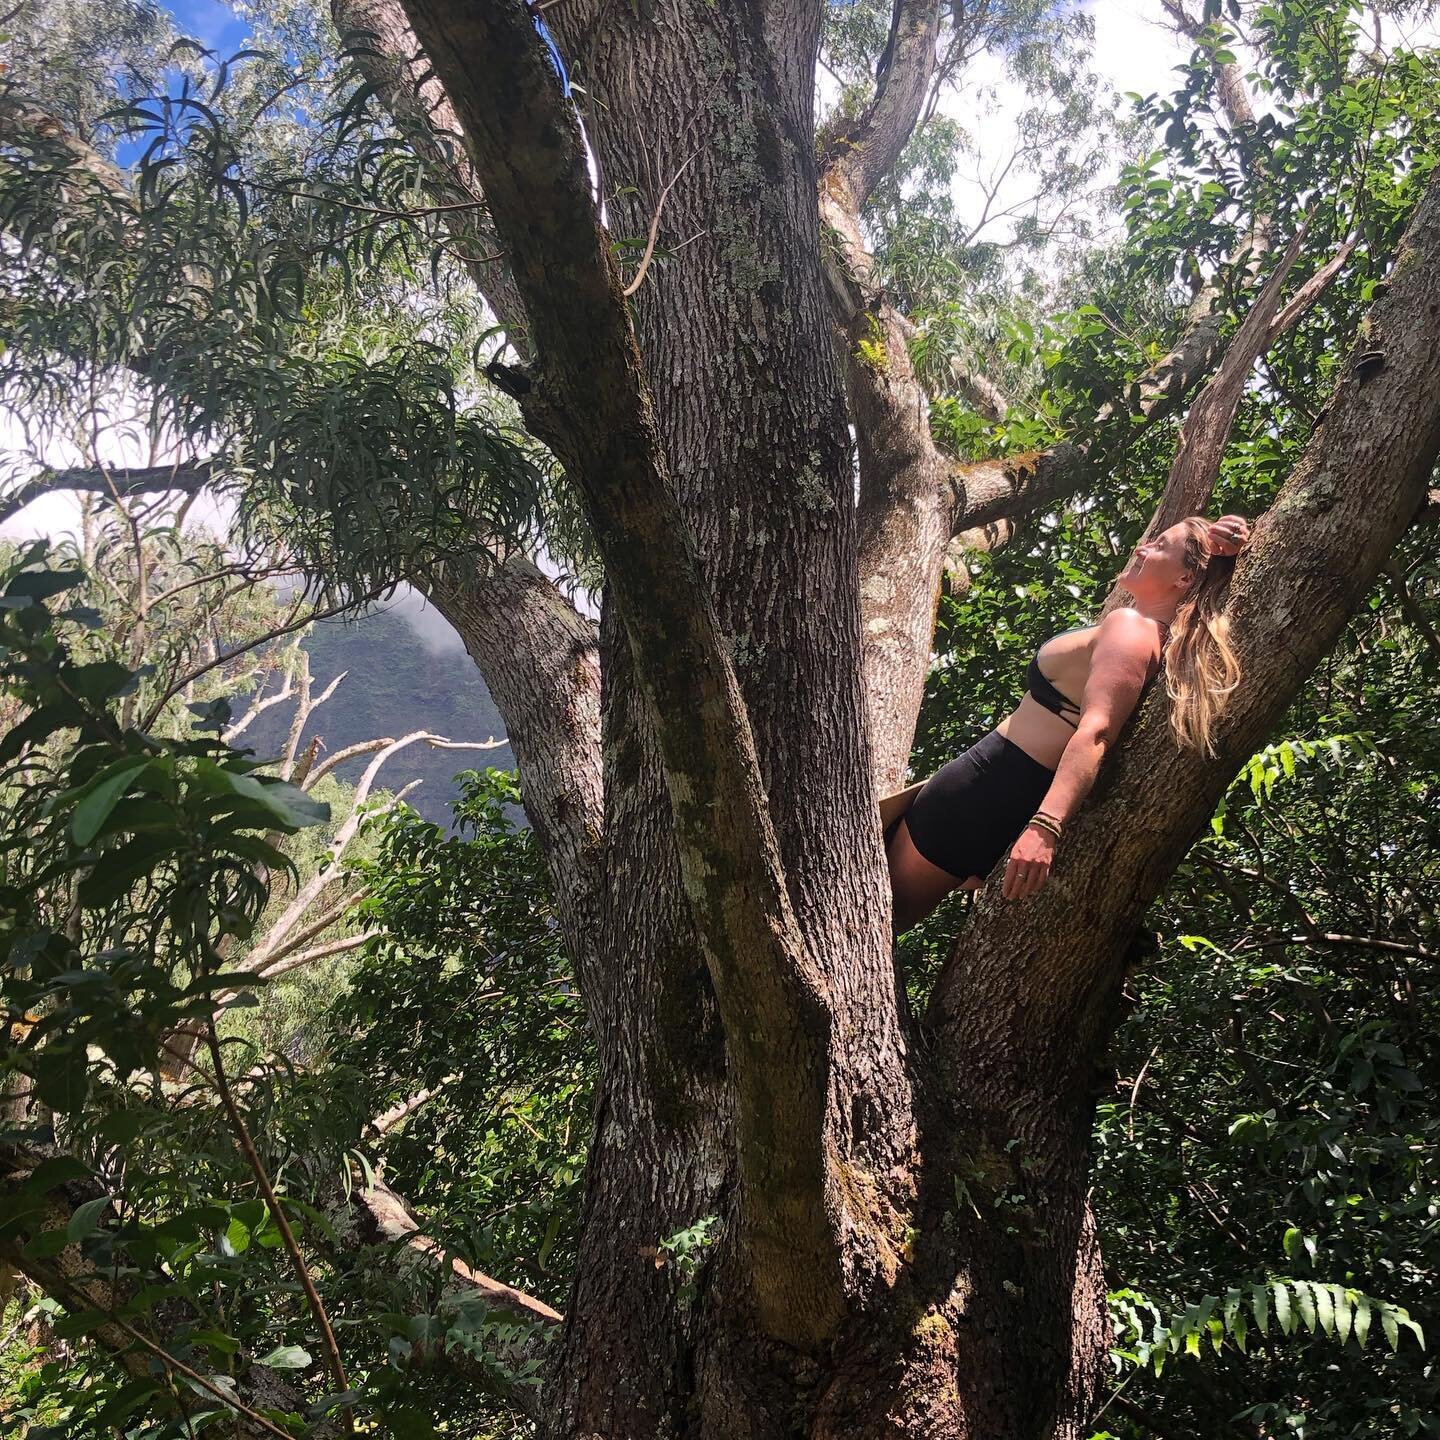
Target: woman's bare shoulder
{"type": "Point", "coordinates": [1125, 629]}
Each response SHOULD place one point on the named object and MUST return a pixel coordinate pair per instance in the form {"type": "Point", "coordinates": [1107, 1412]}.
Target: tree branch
{"type": "Point", "coordinates": [390, 1219]}
{"type": "Point", "coordinates": [590, 404]}
{"type": "Point", "coordinates": [183, 477]}
{"type": "Point", "coordinates": [860, 153]}
{"type": "Point", "coordinates": [384, 47]}
{"type": "Point", "coordinates": [1313, 557]}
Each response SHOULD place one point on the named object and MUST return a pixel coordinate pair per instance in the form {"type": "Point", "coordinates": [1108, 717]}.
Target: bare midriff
{"type": "Point", "coordinates": [1039, 732]}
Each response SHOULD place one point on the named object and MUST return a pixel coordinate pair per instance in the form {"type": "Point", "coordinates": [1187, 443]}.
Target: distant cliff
{"type": "Point", "coordinates": [405, 670]}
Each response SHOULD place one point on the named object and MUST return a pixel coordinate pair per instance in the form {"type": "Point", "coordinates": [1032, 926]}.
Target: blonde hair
{"type": "Point", "coordinates": [1201, 670]}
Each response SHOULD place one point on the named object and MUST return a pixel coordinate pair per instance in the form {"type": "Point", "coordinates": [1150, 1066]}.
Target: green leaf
{"type": "Point", "coordinates": [1282, 1307]}
{"type": "Point", "coordinates": [1260, 1303]}
{"type": "Point", "coordinates": [1306, 1301]}
{"type": "Point", "coordinates": [1362, 1319]}
{"type": "Point", "coordinates": [1344, 1313]}
{"type": "Point", "coordinates": [46, 1245]}
{"type": "Point", "coordinates": [100, 797]}
{"type": "Point", "coordinates": [42, 584]}
{"type": "Point", "coordinates": [86, 1219]}
{"type": "Point", "coordinates": [217, 1340]}
{"type": "Point", "coordinates": [285, 802]}
{"type": "Point", "coordinates": [56, 1171]}
{"type": "Point", "coordinates": [286, 1357]}
{"type": "Point", "coordinates": [62, 1078]}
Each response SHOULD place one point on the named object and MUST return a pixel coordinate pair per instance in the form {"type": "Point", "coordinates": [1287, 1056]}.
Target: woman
{"type": "Point", "coordinates": [1029, 775]}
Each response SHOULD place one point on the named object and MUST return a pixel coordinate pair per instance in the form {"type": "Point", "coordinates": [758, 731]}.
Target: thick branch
{"type": "Point", "coordinates": [388, 55]}
{"type": "Point", "coordinates": [1314, 555]}
{"type": "Point", "coordinates": [861, 153]}
{"type": "Point", "coordinates": [1234, 97]}
{"type": "Point", "coordinates": [388, 1218]}
{"type": "Point", "coordinates": [541, 665]}
{"type": "Point", "coordinates": [27, 123]}
{"type": "Point", "coordinates": [119, 484]}
{"type": "Point", "coordinates": [590, 404]}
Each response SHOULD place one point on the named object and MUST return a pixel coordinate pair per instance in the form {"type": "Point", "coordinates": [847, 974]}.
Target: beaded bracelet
{"type": "Point", "coordinates": [1041, 821]}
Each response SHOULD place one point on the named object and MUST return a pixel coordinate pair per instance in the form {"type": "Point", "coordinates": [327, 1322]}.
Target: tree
{"type": "Point", "coordinates": [900, 1200]}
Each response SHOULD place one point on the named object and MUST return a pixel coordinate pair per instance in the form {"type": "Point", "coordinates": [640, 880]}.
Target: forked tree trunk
{"type": "Point", "coordinates": [944, 1280]}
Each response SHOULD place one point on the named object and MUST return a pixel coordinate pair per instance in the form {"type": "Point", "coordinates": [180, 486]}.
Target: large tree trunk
{"type": "Point", "coordinates": [904, 1245]}
{"type": "Point", "coordinates": [888, 1265]}
{"type": "Point", "coordinates": [968, 1300]}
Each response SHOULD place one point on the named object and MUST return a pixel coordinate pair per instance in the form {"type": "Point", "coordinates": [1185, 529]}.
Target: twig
{"type": "Point", "coordinates": [645, 259]}
{"type": "Point", "coordinates": [257, 1168]}
{"type": "Point", "coordinates": [224, 658]}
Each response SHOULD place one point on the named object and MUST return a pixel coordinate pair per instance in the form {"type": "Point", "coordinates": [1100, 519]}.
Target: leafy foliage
{"type": "Point", "coordinates": [131, 864]}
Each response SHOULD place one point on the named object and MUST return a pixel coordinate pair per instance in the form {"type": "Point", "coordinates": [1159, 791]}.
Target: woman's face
{"type": "Point", "coordinates": [1158, 570]}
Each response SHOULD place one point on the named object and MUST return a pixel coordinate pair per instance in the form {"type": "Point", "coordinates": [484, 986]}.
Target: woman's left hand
{"type": "Point", "coordinates": [1229, 534]}
{"type": "Point", "coordinates": [1029, 865]}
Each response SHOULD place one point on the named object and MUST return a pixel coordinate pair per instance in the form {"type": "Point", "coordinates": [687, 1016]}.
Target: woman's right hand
{"type": "Point", "coordinates": [1229, 534]}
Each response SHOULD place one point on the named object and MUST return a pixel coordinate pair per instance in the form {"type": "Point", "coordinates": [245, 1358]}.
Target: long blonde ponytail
{"type": "Point", "coordinates": [1201, 670]}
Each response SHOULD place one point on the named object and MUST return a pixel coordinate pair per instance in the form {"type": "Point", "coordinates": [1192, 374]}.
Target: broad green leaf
{"type": "Point", "coordinates": [1282, 1306]}
{"type": "Point", "coordinates": [1260, 1303]}
{"type": "Point", "coordinates": [285, 1357]}
{"type": "Point", "coordinates": [85, 1220]}
{"type": "Point", "coordinates": [1306, 1302]}
{"type": "Point", "coordinates": [1362, 1319]}
{"type": "Point", "coordinates": [100, 797]}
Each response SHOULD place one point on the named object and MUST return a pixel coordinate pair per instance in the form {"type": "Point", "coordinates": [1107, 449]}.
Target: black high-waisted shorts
{"type": "Point", "coordinates": [970, 811]}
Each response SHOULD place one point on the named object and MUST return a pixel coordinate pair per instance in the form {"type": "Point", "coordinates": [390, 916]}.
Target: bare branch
{"type": "Point", "coordinates": [387, 1120]}
{"type": "Point", "coordinates": [316, 952]}
{"type": "Point", "coordinates": [274, 948]}
{"type": "Point", "coordinates": [259, 706]}
{"type": "Point", "coordinates": [350, 752]}
{"type": "Point", "coordinates": [224, 659]}
{"type": "Point", "coordinates": [644, 265]}
{"type": "Point", "coordinates": [1206, 431]}
{"type": "Point", "coordinates": [183, 477]}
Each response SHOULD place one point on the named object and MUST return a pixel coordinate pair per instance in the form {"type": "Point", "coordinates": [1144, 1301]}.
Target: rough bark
{"type": "Point", "coordinates": [1022, 1008]}
{"type": "Point", "coordinates": [540, 660]}
{"type": "Point", "coordinates": [813, 1222]}
{"type": "Point", "coordinates": [378, 35]}
{"type": "Point", "coordinates": [753, 1066]}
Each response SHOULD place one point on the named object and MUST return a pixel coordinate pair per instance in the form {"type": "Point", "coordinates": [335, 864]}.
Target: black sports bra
{"type": "Point", "coordinates": [1044, 691]}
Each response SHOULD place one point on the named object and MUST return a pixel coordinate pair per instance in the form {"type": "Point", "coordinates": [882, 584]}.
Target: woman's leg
{"type": "Point", "coordinates": [916, 886]}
